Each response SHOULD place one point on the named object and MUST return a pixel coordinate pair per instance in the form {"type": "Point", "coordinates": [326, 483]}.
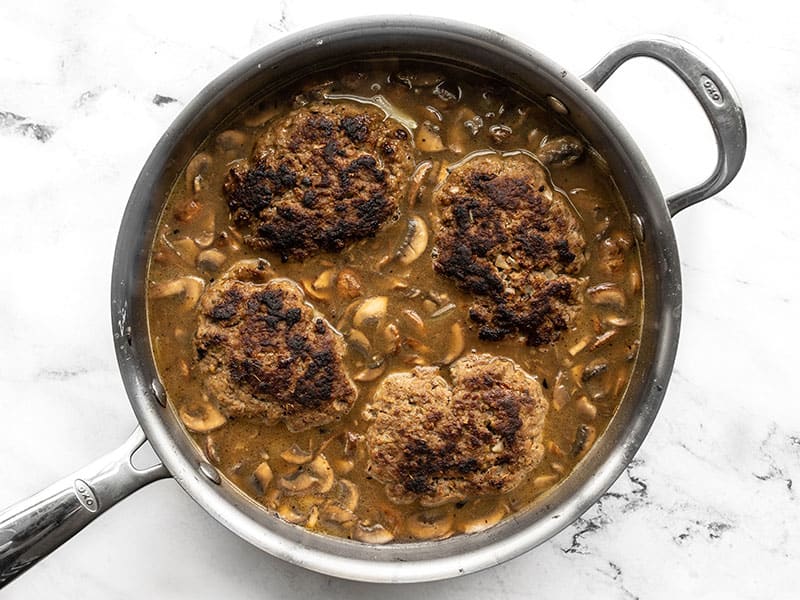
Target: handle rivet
{"type": "Point", "coordinates": [158, 391]}
{"type": "Point", "coordinates": [209, 472]}
{"type": "Point", "coordinates": [557, 105]}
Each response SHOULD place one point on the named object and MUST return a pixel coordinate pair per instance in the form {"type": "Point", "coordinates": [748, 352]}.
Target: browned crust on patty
{"type": "Point", "coordinates": [323, 176]}
{"type": "Point", "coordinates": [265, 352]}
{"type": "Point", "coordinates": [505, 236]}
{"type": "Point", "coordinates": [435, 443]}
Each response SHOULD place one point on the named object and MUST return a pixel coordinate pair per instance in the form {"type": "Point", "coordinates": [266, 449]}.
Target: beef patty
{"type": "Point", "coordinates": [433, 442]}
{"type": "Point", "coordinates": [321, 177]}
{"type": "Point", "coordinates": [507, 238]}
{"type": "Point", "coordinates": [265, 352]}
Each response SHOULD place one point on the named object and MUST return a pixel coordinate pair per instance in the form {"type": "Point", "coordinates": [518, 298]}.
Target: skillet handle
{"type": "Point", "coordinates": [33, 528]}
{"type": "Point", "coordinates": [711, 88]}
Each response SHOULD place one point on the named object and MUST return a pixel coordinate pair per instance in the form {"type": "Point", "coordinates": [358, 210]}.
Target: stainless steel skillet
{"type": "Point", "coordinates": [34, 527]}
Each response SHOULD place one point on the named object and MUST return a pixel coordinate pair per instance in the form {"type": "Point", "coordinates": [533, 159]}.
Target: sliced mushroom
{"type": "Point", "coordinates": [346, 494]}
{"type": "Point", "coordinates": [543, 482]}
{"type": "Point", "coordinates": [186, 249]}
{"type": "Point", "coordinates": [359, 342]}
{"type": "Point", "coordinates": [603, 339]}
{"type": "Point", "coordinates": [414, 243]}
{"type": "Point", "coordinates": [463, 127]}
{"type": "Point", "coordinates": [560, 397]}
{"type": "Point", "coordinates": [347, 315]}
{"type": "Point", "coordinates": [555, 449]}
{"type": "Point", "coordinates": [372, 534]}
{"type": "Point", "coordinates": [390, 338]}
{"type": "Point", "coordinates": [535, 137]}
{"type": "Point", "coordinates": [320, 288]}
{"type": "Point", "coordinates": [440, 298]}
{"type": "Point", "coordinates": [417, 346]}
{"type": "Point", "coordinates": [607, 294]}
{"type": "Point", "coordinates": [414, 360]}
{"type": "Point", "coordinates": [323, 473]}
{"type": "Point", "coordinates": [372, 371]}
{"type": "Point", "coordinates": [202, 417]}
{"type": "Point", "coordinates": [308, 286]}
{"type": "Point", "coordinates": [263, 476]}
{"type": "Point", "coordinates": [296, 455]}
{"type": "Point", "coordinates": [205, 239]}
{"type": "Point", "coordinates": [456, 345]}
{"type": "Point", "coordinates": [499, 134]}
{"type": "Point", "coordinates": [418, 78]}
{"type": "Point", "coordinates": [620, 384]}
{"type": "Point", "coordinates": [617, 321]}
{"type": "Point", "coordinates": [212, 450]}
{"type": "Point", "coordinates": [412, 318]}
{"type": "Point", "coordinates": [593, 369]}
{"type": "Point", "coordinates": [187, 209]}
{"type": "Point", "coordinates": [193, 289]}
{"type": "Point", "coordinates": [211, 260]}
{"type": "Point", "coordinates": [415, 184]}
{"type": "Point", "coordinates": [428, 139]}
{"type": "Point", "coordinates": [586, 409]}
{"type": "Point", "coordinates": [195, 171]}
{"type": "Point", "coordinates": [563, 151]}
{"type": "Point", "coordinates": [324, 280]}
{"type": "Point", "coordinates": [313, 517]}
{"type": "Point", "coordinates": [442, 500]}
{"type": "Point", "coordinates": [205, 221]}
{"type": "Point", "coordinates": [433, 524]}
{"type": "Point", "coordinates": [257, 270]}
{"type": "Point", "coordinates": [577, 347]}
{"type": "Point", "coordinates": [231, 140]}
{"type": "Point", "coordinates": [371, 310]}
{"type": "Point", "coordinates": [448, 93]}
{"type": "Point", "coordinates": [577, 371]}
{"type": "Point", "coordinates": [584, 438]}
{"type": "Point", "coordinates": [342, 466]}
{"type": "Point", "coordinates": [270, 499]}
{"type": "Point", "coordinates": [287, 513]}
{"type": "Point", "coordinates": [443, 310]}
{"type": "Point", "coordinates": [485, 520]}
{"type": "Point", "coordinates": [190, 287]}
{"type": "Point", "coordinates": [429, 305]}
{"type": "Point", "coordinates": [611, 253]}
{"type": "Point", "coordinates": [339, 515]}
{"type": "Point", "coordinates": [297, 482]}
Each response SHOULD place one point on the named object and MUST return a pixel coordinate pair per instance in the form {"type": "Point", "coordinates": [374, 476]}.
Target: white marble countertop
{"type": "Point", "coordinates": [706, 510]}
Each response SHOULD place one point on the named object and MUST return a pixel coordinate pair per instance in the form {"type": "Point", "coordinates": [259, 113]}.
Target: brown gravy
{"type": "Point", "coordinates": [422, 317]}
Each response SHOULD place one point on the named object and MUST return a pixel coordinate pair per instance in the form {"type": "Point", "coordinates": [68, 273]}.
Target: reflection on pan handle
{"type": "Point", "coordinates": [33, 528]}
{"type": "Point", "coordinates": [711, 88]}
